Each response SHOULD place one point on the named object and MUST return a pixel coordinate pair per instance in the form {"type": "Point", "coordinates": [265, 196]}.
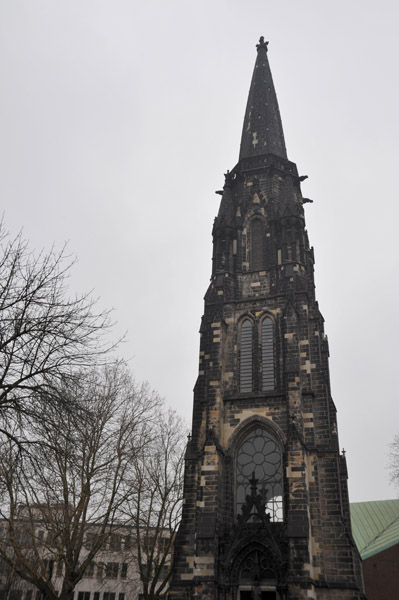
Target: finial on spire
{"type": "Point", "coordinates": [262, 43]}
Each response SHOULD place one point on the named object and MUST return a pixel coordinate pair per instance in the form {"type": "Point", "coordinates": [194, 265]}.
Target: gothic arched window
{"type": "Point", "coordinates": [259, 454]}
{"type": "Point", "coordinates": [256, 257]}
{"type": "Point", "coordinates": [246, 356]}
{"type": "Point", "coordinates": [267, 354]}
{"type": "Point", "coordinates": [257, 566]}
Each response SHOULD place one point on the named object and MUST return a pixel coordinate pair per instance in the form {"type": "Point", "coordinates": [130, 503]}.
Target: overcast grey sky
{"type": "Point", "coordinates": [118, 119]}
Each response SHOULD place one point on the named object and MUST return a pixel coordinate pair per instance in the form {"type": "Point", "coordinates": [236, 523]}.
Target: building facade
{"type": "Point", "coordinates": [375, 527]}
{"type": "Point", "coordinates": [112, 574]}
{"type": "Point", "coordinates": [266, 510]}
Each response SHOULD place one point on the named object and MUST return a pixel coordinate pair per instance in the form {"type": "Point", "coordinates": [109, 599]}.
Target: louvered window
{"type": "Point", "coordinates": [267, 355]}
{"type": "Point", "coordinates": [256, 245]}
{"type": "Point", "coordinates": [246, 356]}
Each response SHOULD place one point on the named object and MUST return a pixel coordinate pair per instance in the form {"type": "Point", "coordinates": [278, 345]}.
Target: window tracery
{"type": "Point", "coordinates": [259, 454]}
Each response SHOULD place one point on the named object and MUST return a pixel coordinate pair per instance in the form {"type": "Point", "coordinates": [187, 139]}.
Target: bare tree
{"type": "Point", "coordinates": [73, 487]}
{"type": "Point", "coordinates": [44, 334]}
{"type": "Point", "coordinates": [154, 508]}
{"type": "Point", "coordinates": [394, 461]}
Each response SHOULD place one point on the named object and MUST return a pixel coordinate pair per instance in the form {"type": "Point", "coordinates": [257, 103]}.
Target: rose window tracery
{"type": "Point", "coordinates": [259, 454]}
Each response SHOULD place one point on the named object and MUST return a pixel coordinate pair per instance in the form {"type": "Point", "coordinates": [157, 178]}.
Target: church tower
{"type": "Point", "coordinates": [266, 510]}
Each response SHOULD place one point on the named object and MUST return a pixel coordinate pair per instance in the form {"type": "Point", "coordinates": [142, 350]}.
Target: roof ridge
{"type": "Point", "coordinates": [376, 501]}
{"type": "Point", "coordinates": [380, 533]}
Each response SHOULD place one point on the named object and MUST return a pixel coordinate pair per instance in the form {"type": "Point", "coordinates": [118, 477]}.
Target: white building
{"type": "Point", "coordinates": [112, 575]}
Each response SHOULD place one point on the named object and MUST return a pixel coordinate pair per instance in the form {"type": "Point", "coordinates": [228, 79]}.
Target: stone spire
{"type": "Point", "coordinates": [262, 132]}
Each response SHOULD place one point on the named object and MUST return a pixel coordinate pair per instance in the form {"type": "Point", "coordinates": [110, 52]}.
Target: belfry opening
{"type": "Point", "coordinates": [266, 508]}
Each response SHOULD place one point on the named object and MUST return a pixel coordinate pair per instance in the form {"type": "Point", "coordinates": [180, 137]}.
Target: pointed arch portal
{"type": "Point", "coordinates": [257, 574]}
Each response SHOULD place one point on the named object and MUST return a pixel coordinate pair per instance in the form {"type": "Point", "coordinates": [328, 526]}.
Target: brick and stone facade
{"type": "Point", "coordinates": [266, 512]}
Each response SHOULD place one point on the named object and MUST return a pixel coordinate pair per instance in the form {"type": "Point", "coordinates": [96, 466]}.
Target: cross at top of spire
{"type": "Point", "coordinates": [262, 132]}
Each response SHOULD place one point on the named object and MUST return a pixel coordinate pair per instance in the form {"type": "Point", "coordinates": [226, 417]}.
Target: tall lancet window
{"type": "Point", "coordinates": [267, 354]}
{"type": "Point", "coordinates": [246, 356]}
{"type": "Point", "coordinates": [259, 455]}
{"type": "Point", "coordinates": [256, 258]}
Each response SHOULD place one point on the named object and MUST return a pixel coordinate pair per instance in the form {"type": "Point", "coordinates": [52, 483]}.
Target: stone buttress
{"type": "Point", "coordinates": [266, 510]}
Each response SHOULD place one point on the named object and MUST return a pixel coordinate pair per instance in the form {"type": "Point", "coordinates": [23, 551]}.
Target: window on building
{"type": "Point", "coordinates": [246, 347]}
{"type": "Point", "coordinates": [91, 539]}
{"type": "Point", "coordinates": [259, 453]}
{"type": "Point", "coordinates": [267, 354]}
{"type": "Point", "coordinates": [100, 570]}
{"type": "Point", "coordinates": [115, 542]}
{"type": "Point", "coordinates": [163, 544]}
{"type": "Point", "coordinates": [83, 595]}
{"type": "Point", "coordinates": [48, 568]}
{"type": "Point", "coordinates": [111, 570]}
{"type": "Point", "coordinates": [128, 542]}
{"type": "Point", "coordinates": [123, 570]}
{"type": "Point", "coordinates": [109, 596]}
{"type": "Point", "coordinates": [60, 567]}
{"type": "Point", "coordinates": [148, 542]}
{"type": "Point", "coordinates": [158, 542]}
{"type": "Point", "coordinates": [5, 568]}
{"type": "Point", "coordinates": [96, 596]}
{"type": "Point", "coordinates": [24, 536]}
{"type": "Point", "coordinates": [257, 238]}
{"type": "Point", "coordinates": [121, 596]}
{"type": "Point", "coordinates": [89, 571]}
{"type": "Point", "coordinates": [40, 536]}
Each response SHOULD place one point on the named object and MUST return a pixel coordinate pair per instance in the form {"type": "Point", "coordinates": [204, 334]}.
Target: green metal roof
{"type": "Point", "coordinates": [375, 525]}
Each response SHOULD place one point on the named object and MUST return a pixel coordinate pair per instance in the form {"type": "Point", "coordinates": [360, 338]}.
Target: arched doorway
{"type": "Point", "coordinates": [257, 577]}
{"type": "Point", "coordinates": [255, 573]}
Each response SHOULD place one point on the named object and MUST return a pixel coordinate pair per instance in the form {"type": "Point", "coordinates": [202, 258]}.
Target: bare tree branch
{"type": "Point", "coordinates": [77, 482]}
{"type": "Point", "coordinates": [393, 464]}
{"type": "Point", "coordinates": [45, 335]}
{"type": "Point", "coordinates": [154, 507]}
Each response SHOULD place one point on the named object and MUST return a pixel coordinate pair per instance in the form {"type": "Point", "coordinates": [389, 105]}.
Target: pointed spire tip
{"type": "Point", "coordinates": [262, 131]}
